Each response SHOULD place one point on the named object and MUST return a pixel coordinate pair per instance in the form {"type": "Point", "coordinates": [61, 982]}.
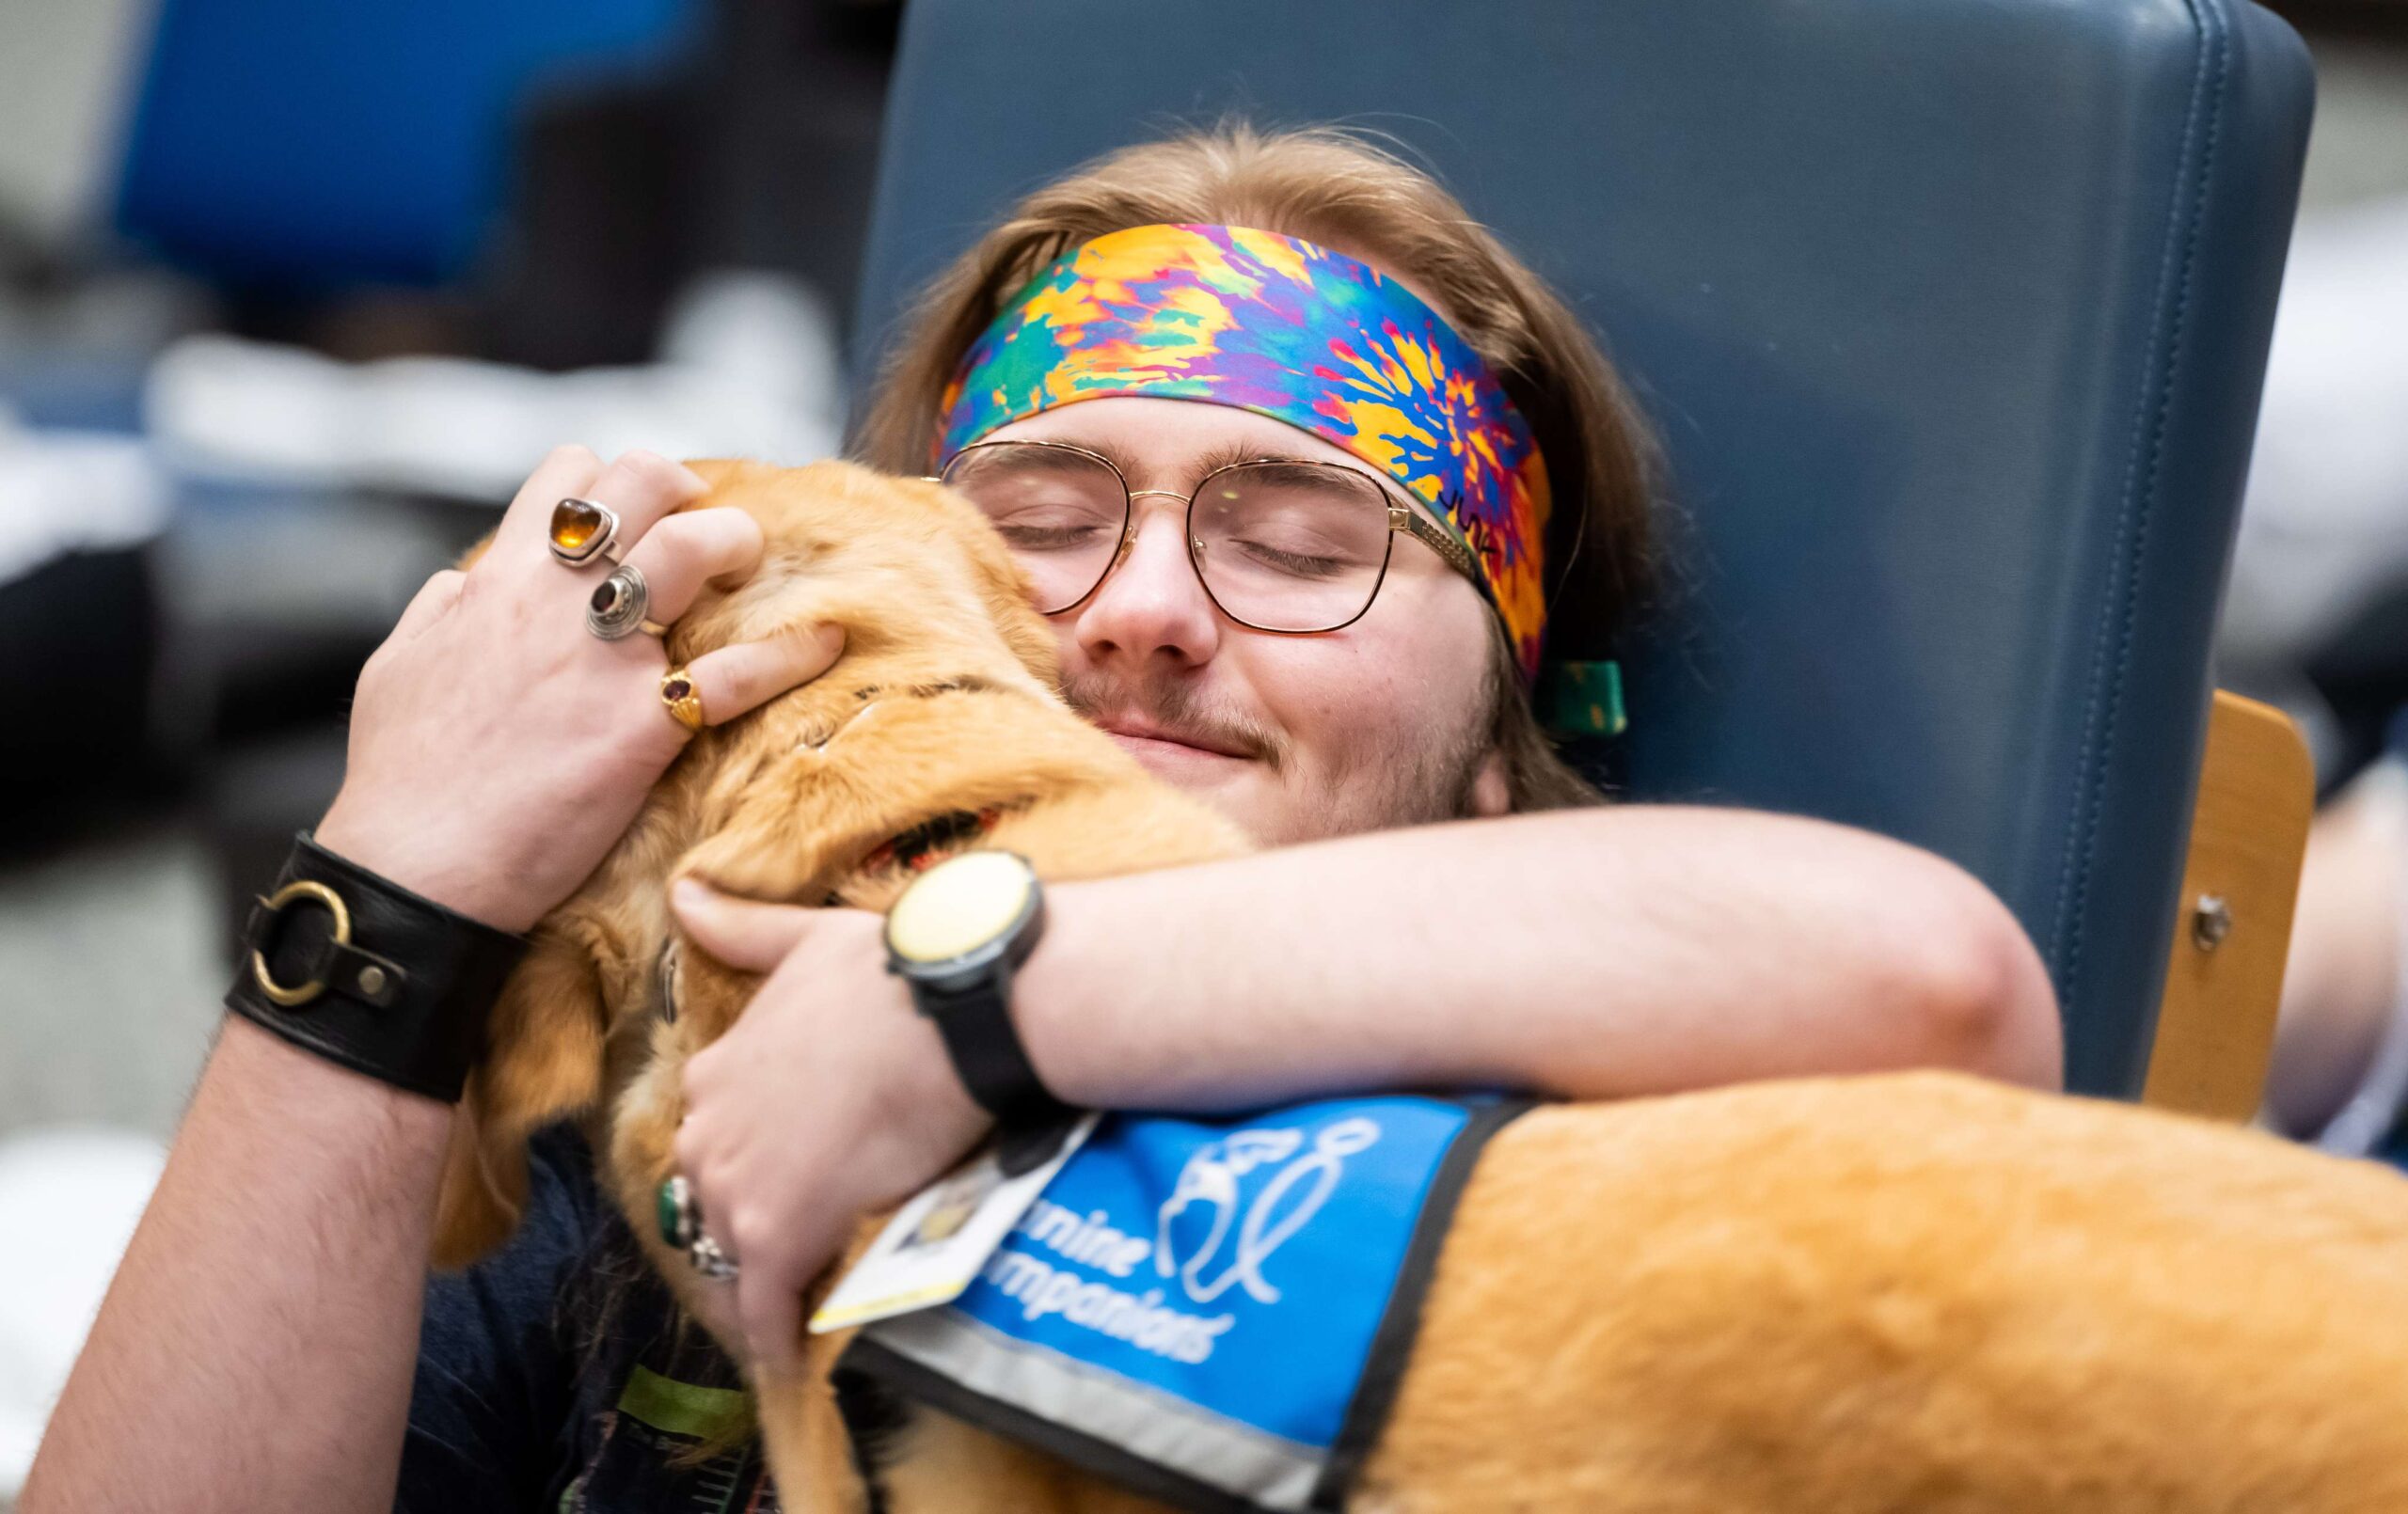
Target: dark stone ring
{"type": "Point", "coordinates": [615, 611]}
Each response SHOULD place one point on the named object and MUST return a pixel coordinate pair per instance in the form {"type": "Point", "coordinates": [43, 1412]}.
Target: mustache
{"type": "Point", "coordinates": [1177, 711]}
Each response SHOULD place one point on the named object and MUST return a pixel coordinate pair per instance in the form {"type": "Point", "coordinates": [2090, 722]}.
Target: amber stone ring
{"type": "Point", "coordinates": [582, 530]}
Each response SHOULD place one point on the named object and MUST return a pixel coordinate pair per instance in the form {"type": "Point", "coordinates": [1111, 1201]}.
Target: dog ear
{"type": "Point", "coordinates": [544, 1061]}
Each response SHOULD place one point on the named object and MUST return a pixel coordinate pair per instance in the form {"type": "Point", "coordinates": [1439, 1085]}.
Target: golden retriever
{"type": "Point", "coordinates": [1917, 1291]}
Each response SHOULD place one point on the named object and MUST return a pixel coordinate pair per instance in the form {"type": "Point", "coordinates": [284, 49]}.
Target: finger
{"type": "Point", "coordinates": [565, 472]}
{"type": "Point", "coordinates": [686, 1146]}
{"type": "Point", "coordinates": [768, 1303]}
{"type": "Point", "coordinates": [644, 488]}
{"type": "Point", "coordinates": [745, 935]}
{"type": "Point", "coordinates": [680, 555]}
{"type": "Point", "coordinates": [733, 680]}
{"type": "Point", "coordinates": [713, 1305]}
{"type": "Point", "coordinates": [435, 596]}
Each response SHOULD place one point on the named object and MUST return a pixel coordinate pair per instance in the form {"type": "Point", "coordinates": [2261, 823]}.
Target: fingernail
{"type": "Point", "coordinates": [690, 893]}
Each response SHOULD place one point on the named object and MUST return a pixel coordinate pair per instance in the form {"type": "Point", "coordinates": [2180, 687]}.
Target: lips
{"type": "Point", "coordinates": [1140, 736]}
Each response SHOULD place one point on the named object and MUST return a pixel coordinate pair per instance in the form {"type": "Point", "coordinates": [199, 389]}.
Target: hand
{"type": "Point", "coordinates": [831, 1097]}
{"type": "Point", "coordinates": [499, 748]}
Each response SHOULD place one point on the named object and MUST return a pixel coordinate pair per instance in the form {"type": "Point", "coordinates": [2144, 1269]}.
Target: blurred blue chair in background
{"type": "Point", "coordinates": [293, 144]}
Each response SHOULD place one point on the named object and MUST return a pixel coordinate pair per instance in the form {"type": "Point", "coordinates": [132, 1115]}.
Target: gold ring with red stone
{"type": "Point", "coordinates": [684, 703]}
{"type": "Point", "coordinates": [582, 530]}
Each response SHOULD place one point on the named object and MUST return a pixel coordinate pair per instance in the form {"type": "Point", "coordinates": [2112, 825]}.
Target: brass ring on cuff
{"type": "Point", "coordinates": [615, 611]}
{"type": "Point", "coordinates": [684, 702]}
{"type": "Point", "coordinates": [582, 530]}
{"type": "Point", "coordinates": [299, 994]}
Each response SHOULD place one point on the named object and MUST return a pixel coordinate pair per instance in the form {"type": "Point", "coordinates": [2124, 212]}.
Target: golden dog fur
{"type": "Point", "coordinates": [1915, 1291]}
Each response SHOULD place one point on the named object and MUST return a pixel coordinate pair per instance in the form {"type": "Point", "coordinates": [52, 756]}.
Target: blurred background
{"type": "Point", "coordinates": [294, 295]}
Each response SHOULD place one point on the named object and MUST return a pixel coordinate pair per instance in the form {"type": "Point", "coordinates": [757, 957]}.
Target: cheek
{"type": "Point", "coordinates": [1337, 697]}
{"type": "Point", "coordinates": [1390, 680]}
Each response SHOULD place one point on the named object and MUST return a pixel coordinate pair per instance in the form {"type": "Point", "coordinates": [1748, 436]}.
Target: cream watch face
{"type": "Point", "coordinates": [958, 907]}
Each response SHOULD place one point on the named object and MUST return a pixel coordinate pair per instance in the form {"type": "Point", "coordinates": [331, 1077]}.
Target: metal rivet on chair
{"type": "Point", "coordinates": [2211, 921]}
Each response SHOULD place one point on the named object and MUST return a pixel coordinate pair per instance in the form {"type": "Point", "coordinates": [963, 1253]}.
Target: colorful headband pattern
{"type": "Point", "coordinates": [1293, 331]}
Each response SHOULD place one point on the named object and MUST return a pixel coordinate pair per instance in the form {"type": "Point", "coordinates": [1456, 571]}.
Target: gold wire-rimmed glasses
{"type": "Point", "coordinates": [1293, 546]}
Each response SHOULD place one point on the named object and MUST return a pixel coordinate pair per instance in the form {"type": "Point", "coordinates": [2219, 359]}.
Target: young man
{"type": "Point", "coordinates": [1405, 927]}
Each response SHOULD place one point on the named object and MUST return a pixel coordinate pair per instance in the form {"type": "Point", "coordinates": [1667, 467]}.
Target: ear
{"type": "Point", "coordinates": [1491, 793]}
{"type": "Point", "coordinates": [544, 1061]}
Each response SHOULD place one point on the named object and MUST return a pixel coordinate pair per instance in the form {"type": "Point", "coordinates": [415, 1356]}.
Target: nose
{"type": "Point", "coordinates": [1151, 610]}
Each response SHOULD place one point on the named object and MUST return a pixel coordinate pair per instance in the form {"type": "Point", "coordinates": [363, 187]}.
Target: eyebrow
{"type": "Point", "coordinates": [1197, 468]}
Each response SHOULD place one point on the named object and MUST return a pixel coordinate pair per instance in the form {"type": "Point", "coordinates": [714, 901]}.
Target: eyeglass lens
{"type": "Point", "coordinates": [1280, 546]}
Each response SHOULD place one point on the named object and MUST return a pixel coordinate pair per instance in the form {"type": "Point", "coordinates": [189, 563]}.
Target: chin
{"type": "Point", "coordinates": [1234, 790]}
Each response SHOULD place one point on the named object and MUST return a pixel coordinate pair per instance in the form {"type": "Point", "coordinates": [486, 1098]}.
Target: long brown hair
{"type": "Point", "coordinates": [1334, 186]}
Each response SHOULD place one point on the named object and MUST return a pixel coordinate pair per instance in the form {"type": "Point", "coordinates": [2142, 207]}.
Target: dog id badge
{"type": "Point", "coordinates": [936, 1244]}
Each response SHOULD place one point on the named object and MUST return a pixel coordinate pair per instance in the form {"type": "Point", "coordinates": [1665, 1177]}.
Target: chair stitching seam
{"type": "Point", "coordinates": [2114, 639]}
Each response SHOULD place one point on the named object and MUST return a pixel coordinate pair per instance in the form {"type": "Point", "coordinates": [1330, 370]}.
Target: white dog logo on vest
{"type": "Point", "coordinates": [1214, 1175]}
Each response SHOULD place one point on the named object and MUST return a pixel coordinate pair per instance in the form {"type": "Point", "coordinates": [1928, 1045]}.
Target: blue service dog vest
{"type": "Point", "coordinates": [1212, 1313]}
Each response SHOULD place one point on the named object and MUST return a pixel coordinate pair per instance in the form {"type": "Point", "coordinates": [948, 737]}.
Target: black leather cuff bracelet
{"type": "Point", "coordinates": [363, 973]}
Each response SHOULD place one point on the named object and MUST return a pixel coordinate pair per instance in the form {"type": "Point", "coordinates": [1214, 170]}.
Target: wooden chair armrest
{"type": "Point", "coordinates": [2233, 928]}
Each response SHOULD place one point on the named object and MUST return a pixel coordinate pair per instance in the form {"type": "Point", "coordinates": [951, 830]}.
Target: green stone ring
{"type": "Point", "coordinates": [679, 1215]}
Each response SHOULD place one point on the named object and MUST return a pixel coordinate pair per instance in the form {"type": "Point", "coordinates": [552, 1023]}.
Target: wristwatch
{"type": "Point", "coordinates": [955, 936]}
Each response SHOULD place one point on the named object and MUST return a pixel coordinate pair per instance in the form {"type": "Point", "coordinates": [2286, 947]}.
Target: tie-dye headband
{"type": "Point", "coordinates": [1294, 331]}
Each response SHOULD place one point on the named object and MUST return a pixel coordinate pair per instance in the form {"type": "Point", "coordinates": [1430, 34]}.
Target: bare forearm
{"type": "Point", "coordinates": [256, 1348]}
{"type": "Point", "coordinates": [2342, 973]}
{"type": "Point", "coordinates": [1594, 955]}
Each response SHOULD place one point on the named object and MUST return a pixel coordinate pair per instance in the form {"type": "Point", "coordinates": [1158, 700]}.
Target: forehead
{"type": "Point", "coordinates": [1157, 441]}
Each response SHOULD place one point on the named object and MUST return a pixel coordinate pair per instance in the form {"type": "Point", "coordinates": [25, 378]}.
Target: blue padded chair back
{"type": "Point", "coordinates": [298, 144]}
{"type": "Point", "coordinates": [1951, 314]}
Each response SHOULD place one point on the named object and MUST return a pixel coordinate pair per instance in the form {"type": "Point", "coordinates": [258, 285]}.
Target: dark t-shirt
{"type": "Point", "coordinates": [553, 1375]}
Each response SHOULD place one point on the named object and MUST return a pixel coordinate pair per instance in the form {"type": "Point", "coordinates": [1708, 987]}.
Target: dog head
{"type": "Point", "coordinates": [909, 570]}
{"type": "Point", "coordinates": [926, 597]}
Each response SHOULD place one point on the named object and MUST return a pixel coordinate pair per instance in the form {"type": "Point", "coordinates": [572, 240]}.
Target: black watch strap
{"type": "Point", "coordinates": [363, 973]}
{"type": "Point", "coordinates": [985, 1046]}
